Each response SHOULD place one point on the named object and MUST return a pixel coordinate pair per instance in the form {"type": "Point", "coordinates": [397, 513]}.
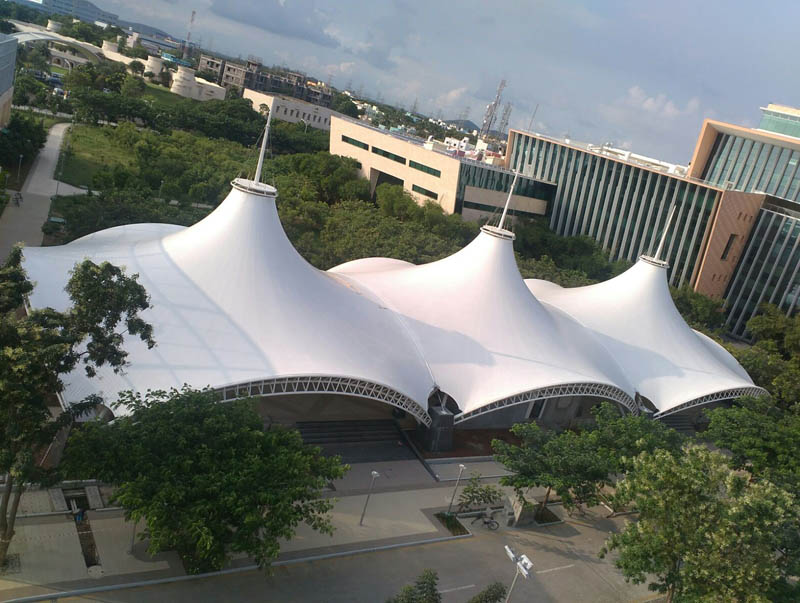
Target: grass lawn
{"type": "Point", "coordinates": [161, 95]}
{"type": "Point", "coordinates": [56, 69]}
{"type": "Point", "coordinates": [90, 149]}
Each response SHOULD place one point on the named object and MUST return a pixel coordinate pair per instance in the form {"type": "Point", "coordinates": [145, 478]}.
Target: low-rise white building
{"type": "Point", "coordinates": [185, 84]}
{"type": "Point", "coordinates": [291, 109]}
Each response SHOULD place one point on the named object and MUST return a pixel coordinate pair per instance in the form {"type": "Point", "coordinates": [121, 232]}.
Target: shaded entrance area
{"type": "Point", "coordinates": [356, 429]}
{"type": "Point", "coordinates": [358, 441]}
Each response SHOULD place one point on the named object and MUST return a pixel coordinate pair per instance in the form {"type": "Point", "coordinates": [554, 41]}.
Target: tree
{"type": "Point", "coordinates": [39, 346]}
{"type": "Point", "coordinates": [699, 311]}
{"type": "Point", "coordinates": [343, 104]}
{"type": "Point", "coordinates": [704, 531]}
{"type": "Point", "coordinates": [133, 86]}
{"type": "Point", "coordinates": [562, 462]}
{"type": "Point", "coordinates": [762, 437]}
{"type": "Point", "coordinates": [622, 437]}
{"type": "Point", "coordinates": [476, 494]}
{"type": "Point", "coordinates": [425, 590]}
{"type": "Point", "coordinates": [136, 67]}
{"type": "Point", "coordinates": [204, 476]}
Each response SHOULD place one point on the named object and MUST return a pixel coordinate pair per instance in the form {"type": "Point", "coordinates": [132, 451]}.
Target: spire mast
{"type": "Point", "coordinates": [516, 175]}
{"type": "Point", "coordinates": [257, 177]}
{"type": "Point", "coordinates": [664, 234]}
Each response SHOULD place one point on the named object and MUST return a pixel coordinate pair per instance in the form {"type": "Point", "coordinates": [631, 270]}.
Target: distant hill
{"type": "Point", "coordinates": [144, 29]}
{"type": "Point", "coordinates": [462, 124]}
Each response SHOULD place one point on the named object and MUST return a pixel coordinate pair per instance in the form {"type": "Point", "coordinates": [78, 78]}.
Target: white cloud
{"type": "Point", "coordinates": [449, 98]}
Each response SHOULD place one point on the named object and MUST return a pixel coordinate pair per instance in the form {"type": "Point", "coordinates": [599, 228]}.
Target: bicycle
{"type": "Point", "coordinates": [488, 520]}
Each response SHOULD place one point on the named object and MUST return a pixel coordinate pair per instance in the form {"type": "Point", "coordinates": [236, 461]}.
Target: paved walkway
{"type": "Point", "coordinates": [24, 223]}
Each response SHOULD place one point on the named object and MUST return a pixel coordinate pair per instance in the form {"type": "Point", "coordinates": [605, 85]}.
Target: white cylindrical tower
{"type": "Point", "coordinates": [183, 84]}
{"type": "Point", "coordinates": [154, 65]}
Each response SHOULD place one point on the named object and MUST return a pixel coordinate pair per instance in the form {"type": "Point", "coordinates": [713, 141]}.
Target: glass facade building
{"type": "Point", "coordinates": [751, 164]}
{"type": "Point", "coordinates": [623, 206]}
{"type": "Point", "coordinates": [473, 173]}
{"type": "Point", "coordinates": [768, 269]}
{"type": "Point", "coordinates": [8, 58]}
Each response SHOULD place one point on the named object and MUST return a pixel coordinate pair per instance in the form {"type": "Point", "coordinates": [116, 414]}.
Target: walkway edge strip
{"type": "Point", "coordinates": [236, 570]}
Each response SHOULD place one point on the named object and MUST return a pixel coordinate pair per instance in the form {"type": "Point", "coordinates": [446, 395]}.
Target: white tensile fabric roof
{"type": "Point", "coordinates": [487, 340]}
{"type": "Point", "coordinates": [668, 362]}
{"type": "Point", "coordinates": [236, 308]}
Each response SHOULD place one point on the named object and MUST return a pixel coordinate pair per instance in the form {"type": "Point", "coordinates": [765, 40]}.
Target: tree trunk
{"type": "Point", "coordinates": [544, 502]}
{"type": "Point", "coordinates": [8, 517]}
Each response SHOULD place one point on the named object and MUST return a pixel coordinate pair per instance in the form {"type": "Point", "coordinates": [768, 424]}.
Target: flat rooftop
{"type": "Point", "coordinates": [420, 142]}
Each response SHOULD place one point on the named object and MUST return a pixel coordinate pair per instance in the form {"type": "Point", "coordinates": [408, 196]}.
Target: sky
{"type": "Point", "coordinates": [641, 74]}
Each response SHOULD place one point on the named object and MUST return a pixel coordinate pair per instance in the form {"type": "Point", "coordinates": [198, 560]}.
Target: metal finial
{"type": "Point", "coordinates": [664, 234]}
{"type": "Point", "coordinates": [257, 177]}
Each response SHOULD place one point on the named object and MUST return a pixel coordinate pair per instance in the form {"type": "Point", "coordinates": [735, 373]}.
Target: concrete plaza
{"type": "Point", "coordinates": [398, 539]}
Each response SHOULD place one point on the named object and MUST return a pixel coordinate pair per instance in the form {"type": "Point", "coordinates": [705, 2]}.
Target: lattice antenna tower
{"type": "Point", "coordinates": [504, 119]}
{"type": "Point", "coordinates": [189, 36]}
{"type": "Point", "coordinates": [491, 111]}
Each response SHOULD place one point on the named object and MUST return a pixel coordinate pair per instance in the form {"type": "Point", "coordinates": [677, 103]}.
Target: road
{"type": "Point", "coordinates": [566, 568]}
{"type": "Point", "coordinates": [24, 223]}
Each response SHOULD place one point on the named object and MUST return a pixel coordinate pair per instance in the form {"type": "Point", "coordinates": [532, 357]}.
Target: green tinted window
{"type": "Point", "coordinates": [355, 143]}
{"type": "Point", "coordinates": [424, 191]}
{"type": "Point", "coordinates": [389, 155]}
{"type": "Point", "coordinates": [424, 168]}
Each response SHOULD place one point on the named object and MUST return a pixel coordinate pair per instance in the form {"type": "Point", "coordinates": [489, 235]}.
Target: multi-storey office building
{"type": "Point", "coordinates": [735, 231]}
{"type": "Point", "coordinates": [765, 162]}
{"type": "Point", "coordinates": [621, 203]}
{"type": "Point", "coordinates": [459, 185]}
{"type": "Point", "coordinates": [8, 59]}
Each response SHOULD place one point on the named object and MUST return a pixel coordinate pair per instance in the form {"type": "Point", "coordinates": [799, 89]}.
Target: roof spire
{"type": "Point", "coordinates": [516, 174]}
{"type": "Point", "coordinates": [257, 177]}
{"type": "Point", "coordinates": [505, 208]}
{"type": "Point", "coordinates": [664, 234]}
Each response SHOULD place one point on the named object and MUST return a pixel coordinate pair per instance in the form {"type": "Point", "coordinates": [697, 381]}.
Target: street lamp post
{"type": "Point", "coordinates": [523, 566]}
{"type": "Point", "coordinates": [452, 498]}
{"type": "Point", "coordinates": [19, 167]}
{"type": "Point", "coordinates": [375, 475]}
{"type": "Point", "coordinates": [305, 123]}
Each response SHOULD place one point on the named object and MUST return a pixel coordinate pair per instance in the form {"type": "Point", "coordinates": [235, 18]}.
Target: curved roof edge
{"type": "Point", "coordinates": [599, 390]}
{"type": "Point", "coordinates": [324, 384]}
{"type": "Point", "coordinates": [726, 394]}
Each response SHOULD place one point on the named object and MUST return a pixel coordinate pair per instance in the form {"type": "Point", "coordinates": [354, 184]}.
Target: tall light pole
{"type": "Point", "coordinates": [19, 167]}
{"type": "Point", "coordinates": [375, 475]}
{"type": "Point", "coordinates": [523, 566]}
{"type": "Point", "coordinates": [452, 498]}
{"type": "Point", "coordinates": [305, 123]}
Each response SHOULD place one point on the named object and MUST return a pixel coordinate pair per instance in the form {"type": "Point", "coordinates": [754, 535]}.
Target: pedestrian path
{"type": "Point", "coordinates": [23, 223]}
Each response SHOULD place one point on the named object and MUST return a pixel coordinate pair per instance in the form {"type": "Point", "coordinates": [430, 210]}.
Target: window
{"type": "Point", "coordinates": [355, 143]}
{"type": "Point", "coordinates": [424, 168]}
{"type": "Point", "coordinates": [728, 246]}
{"type": "Point", "coordinates": [389, 155]}
{"type": "Point", "coordinates": [424, 191]}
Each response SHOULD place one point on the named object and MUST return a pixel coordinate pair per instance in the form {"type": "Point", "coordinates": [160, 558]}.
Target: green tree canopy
{"type": "Point", "coordinates": [426, 590]}
{"type": "Point", "coordinates": [39, 346]}
{"type": "Point", "coordinates": [564, 462]}
{"type": "Point", "coordinates": [205, 477]}
{"type": "Point", "coordinates": [704, 532]}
